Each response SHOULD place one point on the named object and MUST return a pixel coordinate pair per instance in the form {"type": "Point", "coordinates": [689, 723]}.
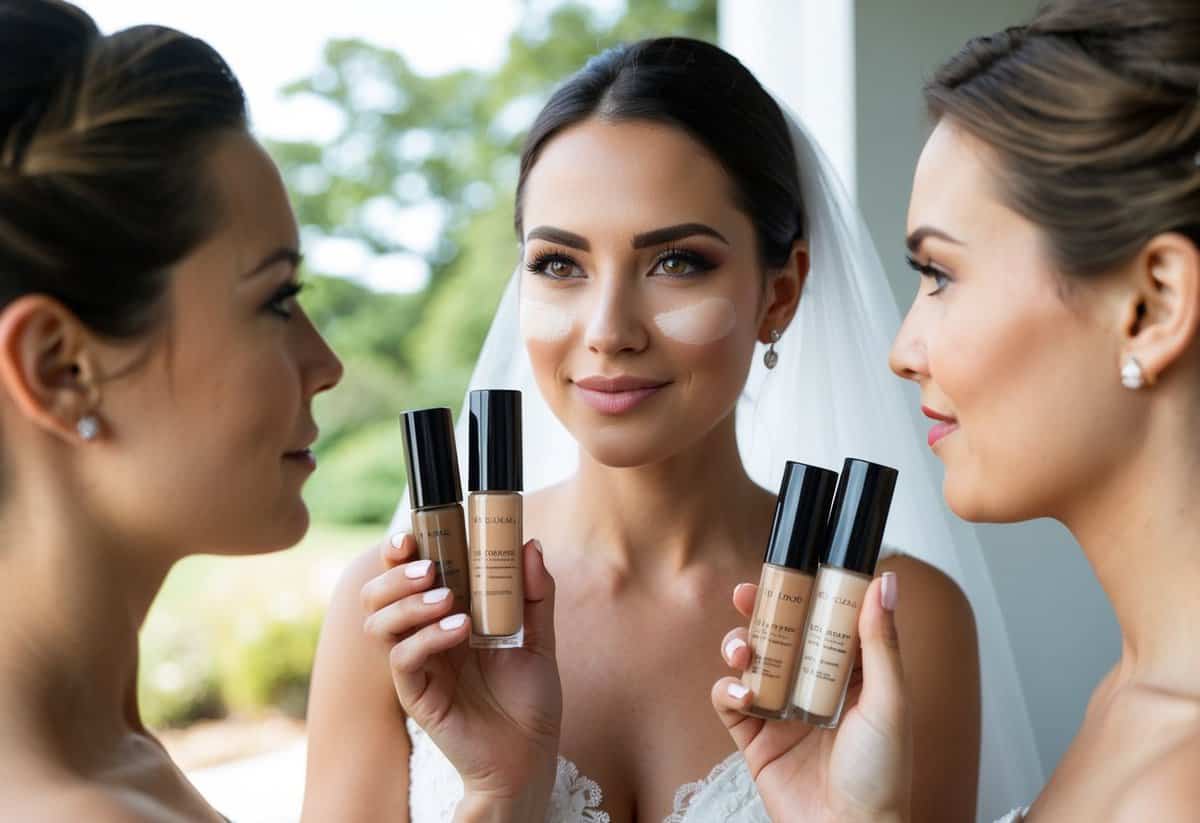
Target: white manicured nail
{"type": "Point", "coordinates": [737, 691]}
{"type": "Point", "coordinates": [397, 539]}
{"type": "Point", "coordinates": [452, 622]}
{"type": "Point", "coordinates": [732, 646]}
{"type": "Point", "coordinates": [435, 596]}
{"type": "Point", "coordinates": [417, 570]}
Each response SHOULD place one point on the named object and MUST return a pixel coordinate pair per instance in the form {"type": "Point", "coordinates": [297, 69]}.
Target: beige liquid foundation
{"type": "Point", "coordinates": [435, 492]}
{"type": "Point", "coordinates": [830, 651]}
{"type": "Point", "coordinates": [494, 507]}
{"type": "Point", "coordinates": [777, 625]}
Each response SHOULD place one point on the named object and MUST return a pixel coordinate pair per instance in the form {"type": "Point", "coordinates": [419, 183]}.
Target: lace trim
{"type": "Point", "coordinates": [575, 797]}
{"type": "Point", "coordinates": [688, 792]}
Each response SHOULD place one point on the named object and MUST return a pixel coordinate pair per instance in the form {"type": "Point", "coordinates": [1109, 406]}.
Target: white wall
{"type": "Point", "coordinates": [856, 67]}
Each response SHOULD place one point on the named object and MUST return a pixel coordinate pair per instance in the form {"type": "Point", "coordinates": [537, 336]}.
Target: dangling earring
{"type": "Point", "coordinates": [1132, 376]}
{"type": "Point", "coordinates": [771, 358]}
{"type": "Point", "coordinates": [88, 427]}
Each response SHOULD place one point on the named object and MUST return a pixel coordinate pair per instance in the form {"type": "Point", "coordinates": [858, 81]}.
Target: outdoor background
{"type": "Point", "coordinates": [397, 124]}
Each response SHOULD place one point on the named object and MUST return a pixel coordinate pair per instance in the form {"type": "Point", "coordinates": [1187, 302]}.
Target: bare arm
{"type": "Point", "coordinates": [358, 747]}
{"type": "Point", "coordinates": [941, 664]}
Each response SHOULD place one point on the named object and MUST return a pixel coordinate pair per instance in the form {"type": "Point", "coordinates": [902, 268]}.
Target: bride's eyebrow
{"type": "Point", "coordinates": [672, 233]}
{"type": "Point", "coordinates": [914, 240]}
{"type": "Point", "coordinates": [560, 236]}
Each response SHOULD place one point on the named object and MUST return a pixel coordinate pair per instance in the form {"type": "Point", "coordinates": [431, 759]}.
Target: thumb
{"type": "Point", "coordinates": [884, 698]}
{"type": "Point", "coordinates": [539, 601]}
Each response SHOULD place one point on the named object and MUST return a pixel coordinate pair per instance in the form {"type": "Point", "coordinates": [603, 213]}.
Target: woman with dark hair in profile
{"type": "Point", "coordinates": [669, 218]}
{"type": "Point", "coordinates": [156, 376]}
{"type": "Point", "coordinates": [1055, 227]}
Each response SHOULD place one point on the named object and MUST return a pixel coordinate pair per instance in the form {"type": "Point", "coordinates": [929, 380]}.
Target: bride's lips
{"type": "Point", "coordinates": [944, 427]}
{"type": "Point", "coordinates": [617, 395]}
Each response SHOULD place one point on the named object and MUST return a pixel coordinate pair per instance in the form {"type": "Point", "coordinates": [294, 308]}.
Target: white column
{"type": "Point", "coordinates": [803, 52]}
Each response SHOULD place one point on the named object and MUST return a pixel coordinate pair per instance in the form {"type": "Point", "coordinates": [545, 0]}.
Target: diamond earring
{"type": "Point", "coordinates": [1132, 376]}
{"type": "Point", "coordinates": [771, 358]}
{"type": "Point", "coordinates": [88, 427]}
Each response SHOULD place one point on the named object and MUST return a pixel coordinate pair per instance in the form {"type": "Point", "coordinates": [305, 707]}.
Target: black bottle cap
{"type": "Point", "coordinates": [801, 516]}
{"type": "Point", "coordinates": [860, 512]}
{"type": "Point", "coordinates": [495, 449]}
{"type": "Point", "coordinates": [433, 478]}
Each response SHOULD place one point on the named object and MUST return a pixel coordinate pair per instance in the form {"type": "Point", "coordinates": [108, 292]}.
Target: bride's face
{"type": "Point", "coordinates": [642, 294]}
{"type": "Point", "coordinates": [1015, 356]}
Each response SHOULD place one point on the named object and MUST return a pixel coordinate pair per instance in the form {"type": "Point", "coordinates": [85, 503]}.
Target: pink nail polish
{"type": "Point", "coordinates": [889, 591]}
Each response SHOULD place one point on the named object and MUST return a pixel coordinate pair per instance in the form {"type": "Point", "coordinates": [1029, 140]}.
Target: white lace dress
{"type": "Point", "coordinates": [727, 795]}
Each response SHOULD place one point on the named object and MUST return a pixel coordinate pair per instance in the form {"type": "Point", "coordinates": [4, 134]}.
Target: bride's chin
{"type": "Point", "coordinates": [625, 451]}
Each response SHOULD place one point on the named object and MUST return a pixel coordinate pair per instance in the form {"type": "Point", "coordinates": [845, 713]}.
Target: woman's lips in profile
{"type": "Point", "coordinates": [303, 455]}
{"type": "Point", "coordinates": [617, 395]}
{"type": "Point", "coordinates": [944, 427]}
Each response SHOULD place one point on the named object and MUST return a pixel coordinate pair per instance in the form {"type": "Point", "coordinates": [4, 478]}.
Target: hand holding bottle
{"type": "Point", "coordinates": [857, 772]}
{"type": "Point", "coordinates": [495, 714]}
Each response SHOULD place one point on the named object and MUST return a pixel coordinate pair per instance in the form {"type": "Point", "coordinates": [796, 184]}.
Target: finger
{"type": "Point", "coordinates": [744, 595]}
{"type": "Point", "coordinates": [539, 601]}
{"type": "Point", "coordinates": [410, 614]}
{"type": "Point", "coordinates": [398, 548]}
{"type": "Point", "coordinates": [396, 584]}
{"type": "Point", "coordinates": [884, 697]}
{"type": "Point", "coordinates": [730, 699]}
{"type": "Point", "coordinates": [416, 664]}
{"type": "Point", "coordinates": [735, 649]}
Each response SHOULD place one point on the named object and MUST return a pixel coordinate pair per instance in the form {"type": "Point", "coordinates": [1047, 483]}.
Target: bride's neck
{"type": "Point", "coordinates": [675, 511]}
{"type": "Point", "coordinates": [1141, 534]}
{"type": "Point", "coordinates": [75, 600]}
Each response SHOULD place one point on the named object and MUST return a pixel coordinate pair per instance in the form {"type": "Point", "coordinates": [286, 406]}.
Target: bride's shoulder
{"type": "Point", "coordinates": [1166, 788]}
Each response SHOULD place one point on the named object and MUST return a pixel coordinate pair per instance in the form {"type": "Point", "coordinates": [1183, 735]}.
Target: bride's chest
{"type": "Point", "coordinates": [637, 716]}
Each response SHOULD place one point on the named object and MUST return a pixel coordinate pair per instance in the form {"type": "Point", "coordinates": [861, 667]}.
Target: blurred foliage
{"type": "Point", "coordinates": [272, 665]}
{"type": "Point", "coordinates": [448, 144]}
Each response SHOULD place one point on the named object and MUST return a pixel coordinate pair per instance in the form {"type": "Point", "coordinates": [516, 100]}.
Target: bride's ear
{"type": "Point", "coordinates": [782, 292]}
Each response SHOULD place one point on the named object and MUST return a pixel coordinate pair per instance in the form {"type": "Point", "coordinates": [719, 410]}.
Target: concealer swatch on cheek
{"type": "Point", "coordinates": [545, 321]}
{"type": "Point", "coordinates": [704, 322]}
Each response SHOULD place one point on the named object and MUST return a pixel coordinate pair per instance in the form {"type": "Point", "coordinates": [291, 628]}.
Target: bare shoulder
{"type": "Point", "coordinates": [924, 588]}
{"type": "Point", "coordinates": [1167, 789]}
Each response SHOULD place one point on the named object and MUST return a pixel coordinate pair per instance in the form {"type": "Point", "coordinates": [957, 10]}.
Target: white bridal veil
{"type": "Point", "coordinates": [830, 397]}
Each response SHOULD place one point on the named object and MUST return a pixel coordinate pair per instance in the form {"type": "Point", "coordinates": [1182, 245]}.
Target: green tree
{"type": "Point", "coordinates": [450, 141]}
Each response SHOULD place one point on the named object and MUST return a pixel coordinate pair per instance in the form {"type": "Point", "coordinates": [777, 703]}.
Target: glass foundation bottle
{"type": "Point", "coordinates": [496, 559]}
{"type": "Point", "coordinates": [777, 625]}
{"type": "Point", "coordinates": [830, 651]}
{"type": "Point", "coordinates": [435, 493]}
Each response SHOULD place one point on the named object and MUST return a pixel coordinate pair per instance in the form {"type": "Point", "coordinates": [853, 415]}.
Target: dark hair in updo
{"type": "Point", "coordinates": [706, 92]}
{"type": "Point", "coordinates": [1093, 111]}
{"type": "Point", "coordinates": [103, 149]}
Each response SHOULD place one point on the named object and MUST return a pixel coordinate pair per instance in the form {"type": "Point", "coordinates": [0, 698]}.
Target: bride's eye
{"type": "Point", "coordinates": [681, 263]}
{"type": "Point", "coordinates": [555, 266]}
{"type": "Point", "coordinates": [941, 278]}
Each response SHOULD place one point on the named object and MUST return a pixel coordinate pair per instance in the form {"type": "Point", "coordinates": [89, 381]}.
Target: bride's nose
{"type": "Point", "coordinates": [614, 323]}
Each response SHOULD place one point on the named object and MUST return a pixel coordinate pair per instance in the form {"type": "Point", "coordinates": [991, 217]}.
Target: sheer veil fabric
{"type": "Point", "coordinates": [831, 396]}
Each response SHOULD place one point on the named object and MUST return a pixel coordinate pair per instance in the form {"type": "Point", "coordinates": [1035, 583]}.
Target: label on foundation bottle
{"type": "Point", "coordinates": [441, 536]}
{"type": "Point", "coordinates": [775, 630]}
{"type": "Point", "coordinates": [830, 641]}
{"type": "Point", "coordinates": [496, 564]}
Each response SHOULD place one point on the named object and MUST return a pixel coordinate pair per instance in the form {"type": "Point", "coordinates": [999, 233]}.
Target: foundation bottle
{"type": "Point", "coordinates": [494, 513]}
{"type": "Point", "coordinates": [830, 650]}
{"type": "Point", "coordinates": [777, 625]}
{"type": "Point", "coordinates": [435, 492]}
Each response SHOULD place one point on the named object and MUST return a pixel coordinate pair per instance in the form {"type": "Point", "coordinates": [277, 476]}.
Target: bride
{"type": "Point", "coordinates": [670, 219]}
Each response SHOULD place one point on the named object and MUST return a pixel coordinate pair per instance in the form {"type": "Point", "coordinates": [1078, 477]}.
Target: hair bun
{"type": "Point", "coordinates": [41, 43]}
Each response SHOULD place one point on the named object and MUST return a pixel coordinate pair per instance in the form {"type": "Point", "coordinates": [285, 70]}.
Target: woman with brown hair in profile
{"type": "Point", "coordinates": [156, 377]}
{"type": "Point", "coordinates": [1055, 227]}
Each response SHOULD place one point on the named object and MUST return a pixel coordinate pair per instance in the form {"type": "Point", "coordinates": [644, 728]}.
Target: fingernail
{"type": "Point", "coordinates": [537, 544]}
{"type": "Point", "coordinates": [397, 539]}
{"type": "Point", "coordinates": [889, 591]}
{"type": "Point", "coordinates": [737, 691]}
{"type": "Point", "coordinates": [732, 646]}
{"type": "Point", "coordinates": [452, 622]}
{"type": "Point", "coordinates": [417, 569]}
{"type": "Point", "coordinates": [738, 587]}
{"type": "Point", "coordinates": [435, 596]}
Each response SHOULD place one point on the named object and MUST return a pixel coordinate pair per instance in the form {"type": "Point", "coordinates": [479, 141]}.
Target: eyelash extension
{"type": "Point", "coordinates": [283, 294]}
{"type": "Point", "coordinates": [538, 264]}
{"type": "Point", "coordinates": [698, 261]}
{"type": "Point", "coordinates": [928, 270]}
